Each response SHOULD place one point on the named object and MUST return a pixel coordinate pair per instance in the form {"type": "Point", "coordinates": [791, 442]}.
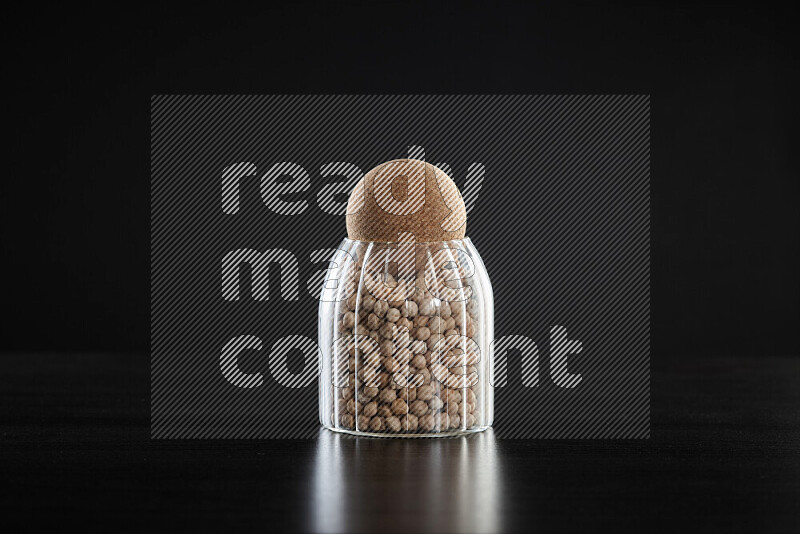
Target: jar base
{"type": "Point", "coordinates": [448, 434]}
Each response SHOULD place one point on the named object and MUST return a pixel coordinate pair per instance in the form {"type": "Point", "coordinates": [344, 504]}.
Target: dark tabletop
{"type": "Point", "coordinates": [724, 456]}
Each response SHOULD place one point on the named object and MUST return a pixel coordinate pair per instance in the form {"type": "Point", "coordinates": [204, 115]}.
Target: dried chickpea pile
{"type": "Point", "coordinates": [444, 387]}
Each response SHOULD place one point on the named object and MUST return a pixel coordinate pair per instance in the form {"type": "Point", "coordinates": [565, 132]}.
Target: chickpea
{"type": "Point", "coordinates": [409, 309]}
{"type": "Point", "coordinates": [346, 420]}
{"type": "Point", "coordinates": [425, 392]}
{"type": "Point", "coordinates": [387, 395]}
{"type": "Point", "coordinates": [418, 407]}
{"type": "Point", "coordinates": [373, 322]}
{"type": "Point", "coordinates": [427, 306]}
{"type": "Point", "coordinates": [368, 302]}
{"type": "Point", "coordinates": [387, 330]}
{"type": "Point", "coordinates": [410, 422]}
{"type": "Point", "coordinates": [436, 324]}
{"type": "Point", "coordinates": [419, 361]}
{"type": "Point", "coordinates": [423, 333]}
{"type": "Point", "coordinates": [399, 407]}
{"type": "Point", "coordinates": [363, 422]}
{"type": "Point", "coordinates": [370, 409]}
{"type": "Point", "coordinates": [380, 308]}
{"type": "Point", "coordinates": [418, 346]}
{"type": "Point", "coordinates": [386, 348]}
{"type": "Point", "coordinates": [393, 424]}
{"type": "Point", "coordinates": [421, 320]}
{"type": "Point", "coordinates": [376, 424]}
{"type": "Point", "coordinates": [392, 315]}
{"type": "Point", "coordinates": [426, 423]}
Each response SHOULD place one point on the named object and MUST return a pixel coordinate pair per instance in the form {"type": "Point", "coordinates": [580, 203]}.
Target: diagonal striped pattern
{"type": "Point", "coordinates": [558, 198]}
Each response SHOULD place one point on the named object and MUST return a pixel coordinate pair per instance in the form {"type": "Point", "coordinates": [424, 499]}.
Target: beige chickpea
{"type": "Point", "coordinates": [419, 361]}
{"type": "Point", "coordinates": [341, 405]}
{"type": "Point", "coordinates": [426, 423]}
{"type": "Point", "coordinates": [418, 407]}
{"type": "Point", "coordinates": [470, 396]}
{"type": "Point", "coordinates": [421, 320]}
{"type": "Point", "coordinates": [373, 322]}
{"type": "Point", "coordinates": [433, 340]}
{"type": "Point", "coordinates": [453, 395]}
{"type": "Point", "coordinates": [348, 393]}
{"type": "Point", "coordinates": [418, 346]}
{"type": "Point", "coordinates": [425, 392]}
{"type": "Point", "coordinates": [412, 394]}
{"type": "Point", "coordinates": [353, 407]}
{"type": "Point", "coordinates": [363, 422]}
{"type": "Point", "coordinates": [351, 302]}
{"type": "Point", "coordinates": [393, 424]}
{"type": "Point", "coordinates": [427, 306]}
{"type": "Point", "coordinates": [409, 309]}
{"type": "Point", "coordinates": [369, 392]}
{"type": "Point", "coordinates": [346, 420]}
{"type": "Point", "coordinates": [386, 347]}
{"type": "Point", "coordinates": [370, 409]}
{"type": "Point", "coordinates": [349, 320]}
{"type": "Point", "coordinates": [360, 330]}
{"type": "Point", "coordinates": [382, 380]}
{"type": "Point", "coordinates": [436, 324]}
{"type": "Point", "coordinates": [403, 356]}
{"type": "Point", "coordinates": [371, 359]}
{"type": "Point", "coordinates": [410, 422]}
{"type": "Point", "coordinates": [373, 334]}
{"type": "Point", "coordinates": [451, 332]}
{"type": "Point", "coordinates": [384, 411]}
{"type": "Point", "coordinates": [423, 333]}
{"type": "Point", "coordinates": [471, 420]}
{"type": "Point", "coordinates": [455, 420]}
{"type": "Point", "coordinates": [442, 421]}
{"type": "Point", "coordinates": [435, 403]}
{"type": "Point", "coordinates": [396, 303]}
{"type": "Point", "coordinates": [426, 376]}
{"type": "Point", "coordinates": [404, 324]}
{"type": "Point", "coordinates": [380, 308]}
{"type": "Point", "coordinates": [392, 314]}
{"type": "Point", "coordinates": [387, 395]}
{"type": "Point", "coordinates": [387, 330]}
{"type": "Point", "coordinates": [368, 302]}
{"type": "Point", "coordinates": [376, 424]}
{"type": "Point", "coordinates": [401, 338]}
{"type": "Point", "coordinates": [444, 310]}
{"type": "Point", "coordinates": [399, 407]}
{"type": "Point", "coordinates": [470, 330]}
{"type": "Point", "coordinates": [449, 323]}
{"type": "Point", "coordinates": [452, 407]}
{"type": "Point", "coordinates": [390, 364]}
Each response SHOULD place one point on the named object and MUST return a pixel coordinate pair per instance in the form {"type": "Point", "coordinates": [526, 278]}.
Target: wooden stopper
{"type": "Point", "coordinates": [406, 200]}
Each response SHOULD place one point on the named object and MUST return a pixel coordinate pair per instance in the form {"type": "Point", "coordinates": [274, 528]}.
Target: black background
{"type": "Point", "coordinates": [75, 247]}
{"type": "Point", "coordinates": [75, 209]}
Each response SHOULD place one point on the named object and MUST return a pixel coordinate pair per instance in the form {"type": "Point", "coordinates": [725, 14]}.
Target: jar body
{"type": "Point", "coordinates": [405, 333]}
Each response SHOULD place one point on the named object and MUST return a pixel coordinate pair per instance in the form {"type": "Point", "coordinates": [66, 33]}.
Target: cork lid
{"type": "Point", "coordinates": [406, 200]}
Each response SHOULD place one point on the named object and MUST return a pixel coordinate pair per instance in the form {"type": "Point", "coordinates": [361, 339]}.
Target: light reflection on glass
{"type": "Point", "coordinates": [386, 485]}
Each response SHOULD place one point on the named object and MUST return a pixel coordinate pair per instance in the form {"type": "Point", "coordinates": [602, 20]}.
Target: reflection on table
{"type": "Point", "coordinates": [411, 485]}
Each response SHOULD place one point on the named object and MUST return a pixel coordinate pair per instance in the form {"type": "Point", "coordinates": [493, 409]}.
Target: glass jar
{"type": "Point", "coordinates": [405, 332]}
